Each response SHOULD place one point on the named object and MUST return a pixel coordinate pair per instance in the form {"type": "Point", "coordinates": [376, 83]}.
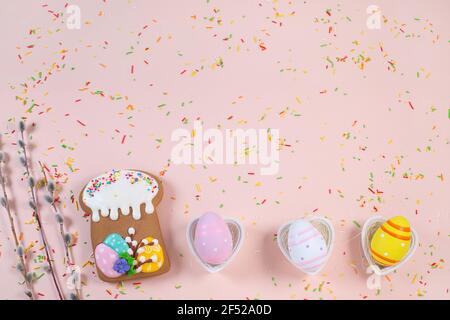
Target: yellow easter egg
{"type": "Point", "coordinates": [150, 256]}
{"type": "Point", "coordinates": [390, 243]}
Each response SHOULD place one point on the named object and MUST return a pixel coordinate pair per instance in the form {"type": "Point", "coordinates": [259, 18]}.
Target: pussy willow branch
{"type": "Point", "coordinates": [21, 267]}
{"type": "Point", "coordinates": [34, 206]}
{"type": "Point", "coordinates": [65, 237]}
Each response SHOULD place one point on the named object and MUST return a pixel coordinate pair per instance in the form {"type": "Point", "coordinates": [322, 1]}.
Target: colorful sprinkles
{"type": "Point", "coordinates": [133, 177]}
{"type": "Point", "coordinates": [363, 116]}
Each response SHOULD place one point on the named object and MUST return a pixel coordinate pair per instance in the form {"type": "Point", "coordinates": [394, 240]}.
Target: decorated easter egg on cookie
{"type": "Point", "coordinates": [150, 256]}
{"type": "Point", "coordinates": [307, 246]}
{"type": "Point", "coordinates": [117, 243]}
{"type": "Point", "coordinates": [213, 241]}
{"type": "Point", "coordinates": [106, 258]}
{"type": "Point", "coordinates": [390, 243]}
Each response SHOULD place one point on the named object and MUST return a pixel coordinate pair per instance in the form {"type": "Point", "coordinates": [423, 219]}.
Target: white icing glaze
{"type": "Point", "coordinates": [120, 189]}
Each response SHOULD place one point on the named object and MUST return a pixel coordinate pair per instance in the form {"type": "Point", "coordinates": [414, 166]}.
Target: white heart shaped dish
{"type": "Point", "coordinates": [323, 226]}
{"type": "Point", "coordinates": [369, 229]}
{"type": "Point", "coordinates": [237, 233]}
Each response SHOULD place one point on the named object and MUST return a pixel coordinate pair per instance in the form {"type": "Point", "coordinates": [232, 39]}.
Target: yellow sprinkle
{"type": "Point", "coordinates": [30, 246]}
{"type": "Point", "coordinates": [87, 263]}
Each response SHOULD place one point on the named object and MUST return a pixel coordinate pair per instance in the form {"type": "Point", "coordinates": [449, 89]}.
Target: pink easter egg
{"type": "Point", "coordinates": [105, 257]}
{"type": "Point", "coordinates": [213, 241]}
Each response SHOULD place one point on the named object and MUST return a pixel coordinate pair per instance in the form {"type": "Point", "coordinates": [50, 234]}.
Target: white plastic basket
{"type": "Point", "coordinates": [237, 233]}
{"type": "Point", "coordinates": [369, 229]}
{"type": "Point", "coordinates": [324, 226]}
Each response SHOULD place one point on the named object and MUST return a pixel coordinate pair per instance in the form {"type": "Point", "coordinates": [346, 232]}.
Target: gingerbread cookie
{"type": "Point", "coordinates": [125, 231]}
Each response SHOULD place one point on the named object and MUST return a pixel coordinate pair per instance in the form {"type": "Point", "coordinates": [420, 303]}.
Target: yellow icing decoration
{"type": "Point", "coordinates": [154, 252]}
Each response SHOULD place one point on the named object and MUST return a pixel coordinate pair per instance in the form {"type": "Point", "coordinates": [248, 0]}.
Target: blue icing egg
{"type": "Point", "coordinates": [117, 243]}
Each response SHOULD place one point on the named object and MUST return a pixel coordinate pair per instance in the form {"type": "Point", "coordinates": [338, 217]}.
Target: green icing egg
{"type": "Point", "coordinates": [117, 243]}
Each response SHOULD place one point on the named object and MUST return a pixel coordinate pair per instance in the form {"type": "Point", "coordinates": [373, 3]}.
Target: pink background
{"type": "Point", "coordinates": [354, 120]}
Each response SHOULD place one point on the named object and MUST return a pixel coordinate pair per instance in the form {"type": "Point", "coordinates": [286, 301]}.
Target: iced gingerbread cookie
{"type": "Point", "coordinates": [125, 232]}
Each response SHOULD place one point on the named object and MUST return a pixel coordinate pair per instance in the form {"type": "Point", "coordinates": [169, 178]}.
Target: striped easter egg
{"type": "Point", "coordinates": [307, 247]}
{"type": "Point", "coordinates": [390, 243]}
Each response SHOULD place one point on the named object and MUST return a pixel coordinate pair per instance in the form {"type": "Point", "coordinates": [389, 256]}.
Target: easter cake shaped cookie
{"type": "Point", "coordinates": [125, 232]}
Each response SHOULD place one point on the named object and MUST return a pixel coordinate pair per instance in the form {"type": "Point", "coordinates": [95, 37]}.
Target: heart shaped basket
{"type": "Point", "coordinates": [324, 226]}
{"type": "Point", "coordinates": [369, 229]}
{"type": "Point", "coordinates": [237, 234]}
